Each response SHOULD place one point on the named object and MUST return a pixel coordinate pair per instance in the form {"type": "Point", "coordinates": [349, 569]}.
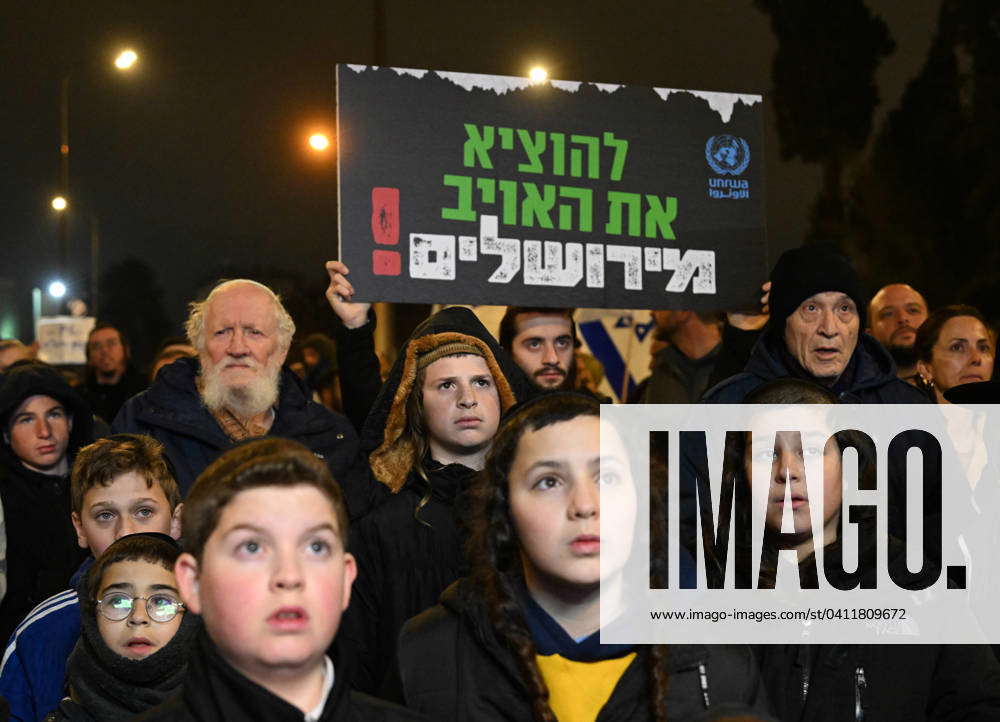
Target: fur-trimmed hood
{"type": "Point", "coordinates": [392, 453]}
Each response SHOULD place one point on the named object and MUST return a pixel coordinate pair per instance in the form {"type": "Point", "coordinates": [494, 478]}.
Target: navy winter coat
{"type": "Point", "coordinates": [870, 376]}
{"type": "Point", "coordinates": [171, 411]}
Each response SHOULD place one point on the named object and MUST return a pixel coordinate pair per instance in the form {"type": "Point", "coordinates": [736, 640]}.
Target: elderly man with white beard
{"type": "Point", "coordinates": [238, 389]}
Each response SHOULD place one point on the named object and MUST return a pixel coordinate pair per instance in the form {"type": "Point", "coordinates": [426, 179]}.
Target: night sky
{"type": "Point", "coordinates": [197, 163]}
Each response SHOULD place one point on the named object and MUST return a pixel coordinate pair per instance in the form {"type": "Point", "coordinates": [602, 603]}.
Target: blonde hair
{"type": "Point", "coordinates": [195, 324]}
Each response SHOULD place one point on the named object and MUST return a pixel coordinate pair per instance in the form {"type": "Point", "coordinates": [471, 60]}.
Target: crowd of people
{"type": "Point", "coordinates": [235, 537]}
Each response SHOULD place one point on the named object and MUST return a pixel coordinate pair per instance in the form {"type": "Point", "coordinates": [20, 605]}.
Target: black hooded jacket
{"type": "Point", "coordinates": [215, 692]}
{"type": "Point", "coordinates": [42, 549]}
{"type": "Point", "coordinates": [451, 666]}
{"type": "Point", "coordinates": [171, 412]}
{"type": "Point", "coordinates": [407, 557]}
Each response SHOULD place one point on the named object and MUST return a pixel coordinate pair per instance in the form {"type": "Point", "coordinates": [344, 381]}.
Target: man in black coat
{"type": "Point", "coordinates": [815, 333]}
{"type": "Point", "coordinates": [238, 389]}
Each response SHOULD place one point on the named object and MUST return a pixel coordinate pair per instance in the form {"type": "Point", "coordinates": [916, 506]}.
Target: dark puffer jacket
{"type": "Point", "coordinates": [42, 549]}
{"type": "Point", "coordinates": [407, 557]}
{"type": "Point", "coordinates": [171, 411]}
{"type": "Point", "coordinates": [451, 666]}
{"type": "Point", "coordinates": [870, 376]}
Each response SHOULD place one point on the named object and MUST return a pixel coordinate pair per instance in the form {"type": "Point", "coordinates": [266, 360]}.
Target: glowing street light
{"type": "Point", "coordinates": [59, 203]}
{"type": "Point", "coordinates": [319, 142]}
{"type": "Point", "coordinates": [538, 74]}
{"type": "Point", "coordinates": [126, 59]}
{"type": "Point", "coordinates": [57, 289]}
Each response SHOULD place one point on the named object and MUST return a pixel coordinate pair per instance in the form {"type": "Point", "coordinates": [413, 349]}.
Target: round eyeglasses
{"type": "Point", "coordinates": [117, 606]}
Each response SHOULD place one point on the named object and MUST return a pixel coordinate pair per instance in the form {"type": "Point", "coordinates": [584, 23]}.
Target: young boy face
{"type": "Point", "coordinates": [272, 582]}
{"type": "Point", "coordinates": [138, 636]}
{"type": "Point", "coordinates": [125, 506]}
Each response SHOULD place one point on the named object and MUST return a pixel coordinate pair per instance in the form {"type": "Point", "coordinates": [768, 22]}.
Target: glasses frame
{"type": "Point", "coordinates": [181, 607]}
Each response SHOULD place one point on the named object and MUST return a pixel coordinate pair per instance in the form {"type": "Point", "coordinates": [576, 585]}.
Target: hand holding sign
{"type": "Point", "coordinates": [339, 294]}
{"type": "Point", "coordinates": [753, 321]}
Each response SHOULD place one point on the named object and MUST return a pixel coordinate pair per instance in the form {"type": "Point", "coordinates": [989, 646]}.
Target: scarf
{"type": "Point", "coordinates": [111, 687]}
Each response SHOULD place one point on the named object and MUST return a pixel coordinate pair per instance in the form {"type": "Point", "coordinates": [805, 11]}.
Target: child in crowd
{"type": "Point", "coordinates": [893, 682]}
{"type": "Point", "coordinates": [44, 424]}
{"type": "Point", "coordinates": [135, 637]}
{"type": "Point", "coordinates": [120, 485]}
{"type": "Point", "coordinates": [429, 432]}
{"type": "Point", "coordinates": [266, 568]}
{"type": "Point", "coordinates": [520, 638]}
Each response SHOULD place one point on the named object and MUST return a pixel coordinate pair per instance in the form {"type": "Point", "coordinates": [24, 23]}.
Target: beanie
{"type": "Point", "coordinates": [803, 272]}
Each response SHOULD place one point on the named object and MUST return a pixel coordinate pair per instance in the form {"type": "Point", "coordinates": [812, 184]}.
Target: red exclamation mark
{"type": "Point", "coordinates": [385, 230]}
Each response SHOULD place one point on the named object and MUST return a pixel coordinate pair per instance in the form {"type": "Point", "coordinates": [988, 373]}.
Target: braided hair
{"type": "Point", "coordinates": [494, 552]}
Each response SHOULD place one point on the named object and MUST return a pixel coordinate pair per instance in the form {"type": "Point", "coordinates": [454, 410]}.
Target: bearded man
{"type": "Point", "coordinates": [238, 389]}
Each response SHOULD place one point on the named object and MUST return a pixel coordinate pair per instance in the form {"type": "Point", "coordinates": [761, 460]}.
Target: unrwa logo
{"type": "Point", "coordinates": [727, 154]}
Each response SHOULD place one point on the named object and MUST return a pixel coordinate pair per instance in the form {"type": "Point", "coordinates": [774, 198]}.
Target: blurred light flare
{"type": "Point", "coordinates": [57, 289]}
{"type": "Point", "coordinates": [319, 141]}
{"type": "Point", "coordinates": [59, 203]}
{"type": "Point", "coordinates": [126, 59]}
{"type": "Point", "coordinates": [538, 74]}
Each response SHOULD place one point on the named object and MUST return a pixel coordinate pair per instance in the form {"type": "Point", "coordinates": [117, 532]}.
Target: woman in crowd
{"type": "Point", "coordinates": [844, 681]}
{"type": "Point", "coordinates": [134, 635]}
{"type": "Point", "coordinates": [519, 639]}
{"type": "Point", "coordinates": [954, 346]}
{"type": "Point", "coordinates": [428, 433]}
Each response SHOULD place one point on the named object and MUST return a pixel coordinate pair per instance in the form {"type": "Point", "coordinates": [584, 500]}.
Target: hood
{"type": "Point", "coordinates": [34, 378]}
{"type": "Point", "coordinates": [870, 365]}
{"type": "Point", "coordinates": [392, 453]}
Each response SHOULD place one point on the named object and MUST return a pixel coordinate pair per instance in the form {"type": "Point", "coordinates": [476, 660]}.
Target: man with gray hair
{"type": "Point", "coordinates": [238, 389]}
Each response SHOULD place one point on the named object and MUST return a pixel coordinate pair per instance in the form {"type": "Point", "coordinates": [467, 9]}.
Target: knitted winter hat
{"type": "Point", "coordinates": [808, 270]}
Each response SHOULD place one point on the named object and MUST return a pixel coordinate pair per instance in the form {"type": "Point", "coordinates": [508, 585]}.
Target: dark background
{"type": "Point", "coordinates": [881, 129]}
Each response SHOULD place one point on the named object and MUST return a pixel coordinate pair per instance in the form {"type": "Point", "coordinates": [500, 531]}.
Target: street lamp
{"type": "Point", "coordinates": [319, 142]}
{"type": "Point", "coordinates": [125, 61]}
{"type": "Point", "coordinates": [57, 289]}
{"type": "Point", "coordinates": [538, 75]}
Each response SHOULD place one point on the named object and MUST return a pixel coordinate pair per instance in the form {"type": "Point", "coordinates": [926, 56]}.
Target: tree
{"type": "Point", "coordinates": [824, 90]}
{"type": "Point", "coordinates": [132, 301]}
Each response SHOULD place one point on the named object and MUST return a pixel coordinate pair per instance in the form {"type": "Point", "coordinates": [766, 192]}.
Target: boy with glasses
{"type": "Point", "coordinates": [136, 635]}
{"type": "Point", "coordinates": [120, 485]}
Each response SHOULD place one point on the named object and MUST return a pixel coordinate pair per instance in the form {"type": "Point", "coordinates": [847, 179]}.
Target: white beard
{"type": "Point", "coordinates": [244, 401]}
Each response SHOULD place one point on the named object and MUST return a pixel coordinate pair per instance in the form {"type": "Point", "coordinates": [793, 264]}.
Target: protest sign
{"type": "Point", "coordinates": [63, 339]}
{"type": "Point", "coordinates": [462, 188]}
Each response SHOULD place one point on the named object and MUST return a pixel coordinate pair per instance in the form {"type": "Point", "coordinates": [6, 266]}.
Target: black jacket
{"type": "Point", "coordinates": [42, 549]}
{"type": "Point", "coordinates": [405, 560]}
{"type": "Point", "coordinates": [106, 399]}
{"type": "Point", "coordinates": [869, 378]}
{"type": "Point", "coordinates": [884, 682]}
{"type": "Point", "coordinates": [215, 692]}
{"type": "Point", "coordinates": [171, 411]}
{"type": "Point", "coordinates": [452, 667]}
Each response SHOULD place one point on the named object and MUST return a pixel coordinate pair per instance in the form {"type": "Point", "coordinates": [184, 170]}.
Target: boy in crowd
{"type": "Point", "coordinates": [120, 485]}
{"type": "Point", "coordinates": [265, 567]}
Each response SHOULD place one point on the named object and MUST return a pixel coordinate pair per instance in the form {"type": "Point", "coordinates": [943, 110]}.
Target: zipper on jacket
{"type": "Point", "coordinates": [860, 686]}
